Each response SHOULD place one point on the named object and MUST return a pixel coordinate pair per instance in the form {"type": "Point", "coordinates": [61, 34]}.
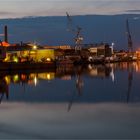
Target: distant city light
{"type": "Point", "coordinates": [34, 47]}
{"type": "Point", "coordinates": [113, 43]}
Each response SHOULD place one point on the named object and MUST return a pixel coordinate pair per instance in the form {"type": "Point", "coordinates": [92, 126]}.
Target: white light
{"type": "Point", "coordinates": [113, 43]}
{"type": "Point", "coordinates": [112, 75]}
{"type": "Point", "coordinates": [48, 59]}
{"type": "Point", "coordinates": [35, 80]}
{"type": "Point", "coordinates": [34, 47]}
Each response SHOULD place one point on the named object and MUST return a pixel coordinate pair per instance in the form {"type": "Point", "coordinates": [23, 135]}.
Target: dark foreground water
{"type": "Point", "coordinates": [83, 102]}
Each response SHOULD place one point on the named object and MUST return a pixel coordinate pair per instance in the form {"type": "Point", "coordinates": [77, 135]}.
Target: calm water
{"type": "Point", "coordinates": [71, 103]}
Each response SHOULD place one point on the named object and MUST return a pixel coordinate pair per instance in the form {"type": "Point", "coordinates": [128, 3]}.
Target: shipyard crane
{"type": "Point", "coordinates": [129, 38]}
{"type": "Point", "coordinates": [69, 24]}
{"type": "Point", "coordinates": [78, 38]}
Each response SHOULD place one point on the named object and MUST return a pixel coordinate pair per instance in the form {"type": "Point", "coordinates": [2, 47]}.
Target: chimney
{"type": "Point", "coordinates": [5, 34]}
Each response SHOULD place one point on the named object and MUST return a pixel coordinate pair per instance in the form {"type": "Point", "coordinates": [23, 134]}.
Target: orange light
{"type": "Point", "coordinates": [23, 77]}
{"type": "Point", "coordinates": [5, 44]}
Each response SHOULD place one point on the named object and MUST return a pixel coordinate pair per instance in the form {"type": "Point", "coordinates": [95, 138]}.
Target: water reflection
{"type": "Point", "coordinates": [84, 102]}
{"type": "Point", "coordinates": [81, 80]}
{"type": "Point", "coordinates": [130, 79]}
{"type": "Point", "coordinates": [4, 89]}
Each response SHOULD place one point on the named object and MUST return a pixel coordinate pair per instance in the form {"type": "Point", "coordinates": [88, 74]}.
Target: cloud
{"type": "Point", "coordinates": [5, 13]}
{"type": "Point", "coordinates": [15, 8]}
{"type": "Point", "coordinates": [133, 11]}
{"type": "Point", "coordinates": [1, 35]}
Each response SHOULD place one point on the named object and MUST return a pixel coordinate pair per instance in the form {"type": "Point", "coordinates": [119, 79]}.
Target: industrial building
{"type": "Point", "coordinates": [103, 50]}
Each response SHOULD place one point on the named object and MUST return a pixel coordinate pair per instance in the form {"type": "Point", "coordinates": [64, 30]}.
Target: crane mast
{"type": "Point", "coordinates": [78, 38]}
{"type": "Point", "coordinates": [130, 43]}
{"type": "Point", "coordinates": [69, 28]}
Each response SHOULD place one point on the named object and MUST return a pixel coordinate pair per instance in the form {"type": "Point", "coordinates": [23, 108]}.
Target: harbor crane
{"type": "Point", "coordinates": [78, 38]}
{"type": "Point", "coordinates": [129, 38]}
{"type": "Point", "coordinates": [69, 24]}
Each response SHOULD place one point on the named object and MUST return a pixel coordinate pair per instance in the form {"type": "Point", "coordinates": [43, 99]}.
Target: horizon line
{"type": "Point", "coordinates": [26, 17]}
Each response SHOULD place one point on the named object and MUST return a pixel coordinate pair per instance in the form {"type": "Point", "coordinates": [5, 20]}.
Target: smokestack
{"type": "Point", "coordinates": [5, 34]}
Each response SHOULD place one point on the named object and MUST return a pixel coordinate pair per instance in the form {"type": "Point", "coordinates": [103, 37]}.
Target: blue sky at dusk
{"type": "Point", "coordinates": [22, 8]}
{"type": "Point", "coordinates": [102, 21]}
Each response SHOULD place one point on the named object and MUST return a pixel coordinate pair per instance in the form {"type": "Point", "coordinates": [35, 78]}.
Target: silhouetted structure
{"type": "Point", "coordinates": [130, 43]}
{"type": "Point", "coordinates": [6, 33]}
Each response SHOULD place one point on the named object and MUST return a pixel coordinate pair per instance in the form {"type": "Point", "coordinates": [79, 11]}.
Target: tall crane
{"type": "Point", "coordinates": [69, 24]}
{"type": "Point", "coordinates": [129, 38]}
{"type": "Point", "coordinates": [78, 38]}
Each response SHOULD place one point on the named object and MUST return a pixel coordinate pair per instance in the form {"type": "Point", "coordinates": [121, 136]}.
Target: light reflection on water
{"type": "Point", "coordinates": [100, 83]}
{"type": "Point", "coordinates": [71, 102]}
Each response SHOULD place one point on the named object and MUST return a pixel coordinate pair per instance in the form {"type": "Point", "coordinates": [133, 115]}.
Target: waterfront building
{"type": "Point", "coordinates": [103, 50]}
{"type": "Point", "coordinates": [37, 55]}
